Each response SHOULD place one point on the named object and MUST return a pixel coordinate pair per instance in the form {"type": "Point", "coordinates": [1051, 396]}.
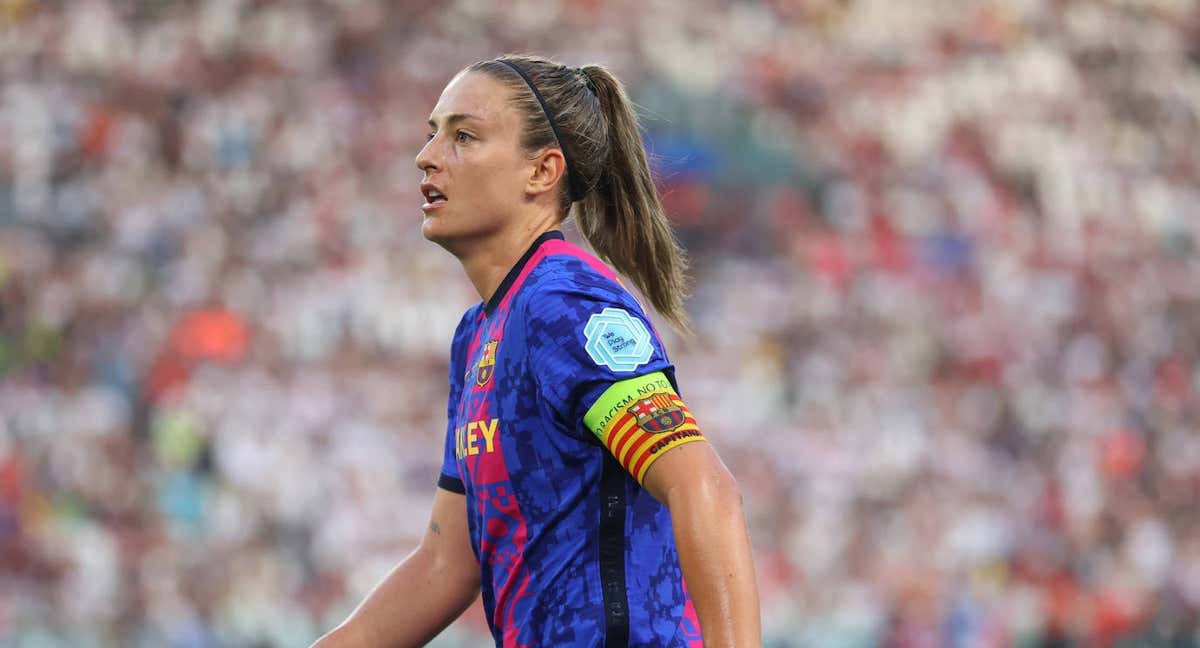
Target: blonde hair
{"type": "Point", "coordinates": [617, 208]}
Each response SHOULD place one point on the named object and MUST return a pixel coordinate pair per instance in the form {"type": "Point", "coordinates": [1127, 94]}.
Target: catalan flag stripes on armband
{"type": "Point", "coordinates": [639, 419]}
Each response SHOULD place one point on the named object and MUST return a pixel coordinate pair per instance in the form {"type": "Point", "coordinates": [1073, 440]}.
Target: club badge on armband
{"type": "Point", "coordinates": [658, 414]}
{"type": "Point", "coordinates": [617, 340]}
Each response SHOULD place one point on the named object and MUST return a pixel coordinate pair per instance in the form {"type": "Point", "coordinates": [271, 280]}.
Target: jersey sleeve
{"type": "Point", "coordinates": [582, 338]}
{"type": "Point", "coordinates": [450, 478]}
{"type": "Point", "coordinates": [639, 420]}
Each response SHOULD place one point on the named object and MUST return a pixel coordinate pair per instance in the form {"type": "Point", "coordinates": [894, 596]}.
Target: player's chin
{"type": "Point", "coordinates": [436, 229]}
{"type": "Point", "coordinates": [432, 227]}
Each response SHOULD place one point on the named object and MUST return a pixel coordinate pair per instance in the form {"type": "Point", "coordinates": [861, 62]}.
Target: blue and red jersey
{"type": "Point", "coordinates": [561, 397]}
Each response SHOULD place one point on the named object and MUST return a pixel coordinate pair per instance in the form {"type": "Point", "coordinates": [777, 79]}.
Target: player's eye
{"type": "Point", "coordinates": [463, 136]}
{"type": "Point", "coordinates": [429, 136]}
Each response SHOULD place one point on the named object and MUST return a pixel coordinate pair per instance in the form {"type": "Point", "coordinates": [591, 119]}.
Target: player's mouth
{"type": "Point", "coordinates": [434, 197]}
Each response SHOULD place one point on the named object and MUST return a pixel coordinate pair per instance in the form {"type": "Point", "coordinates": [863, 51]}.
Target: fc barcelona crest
{"type": "Point", "coordinates": [657, 414]}
{"type": "Point", "coordinates": [487, 364]}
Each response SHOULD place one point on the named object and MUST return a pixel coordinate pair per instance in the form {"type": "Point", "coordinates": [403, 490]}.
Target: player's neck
{"type": "Point", "coordinates": [487, 265]}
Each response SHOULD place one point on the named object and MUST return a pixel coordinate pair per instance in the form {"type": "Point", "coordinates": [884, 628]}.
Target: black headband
{"type": "Point", "coordinates": [574, 188]}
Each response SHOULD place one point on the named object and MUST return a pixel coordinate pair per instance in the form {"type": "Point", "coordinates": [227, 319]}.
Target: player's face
{"type": "Point", "coordinates": [475, 170]}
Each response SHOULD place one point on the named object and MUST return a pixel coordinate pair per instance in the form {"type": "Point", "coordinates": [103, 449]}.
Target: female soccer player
{"type": "Point", "coordinates": [576, 488]}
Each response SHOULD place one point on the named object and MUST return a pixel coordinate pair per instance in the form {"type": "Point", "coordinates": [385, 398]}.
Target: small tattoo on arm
{"type": "Point", "coordinates": [433, 526]}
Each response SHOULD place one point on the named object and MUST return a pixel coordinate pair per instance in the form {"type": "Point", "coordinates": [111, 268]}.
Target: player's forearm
{"type": "Point", "coordinates": [409, 607]}
{"type": "Point", "coordinates": [714, 552]}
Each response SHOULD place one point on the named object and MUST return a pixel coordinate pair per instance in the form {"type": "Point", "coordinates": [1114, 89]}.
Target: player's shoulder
{"type": "Point", "coordinates": [466, 325]}
{"type": "Point", "coordinates": [570, 275]}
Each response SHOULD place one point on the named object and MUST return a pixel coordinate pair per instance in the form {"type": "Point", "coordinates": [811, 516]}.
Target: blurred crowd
{"type": "Point", "coordinates": [947, 301]}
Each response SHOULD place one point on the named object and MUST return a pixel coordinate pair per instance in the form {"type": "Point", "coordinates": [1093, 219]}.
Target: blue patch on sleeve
{"type": "Point", "coordinates": [617, 340]}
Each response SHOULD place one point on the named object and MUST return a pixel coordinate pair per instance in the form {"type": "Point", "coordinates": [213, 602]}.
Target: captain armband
{"type": "Point", "coordinates": [639, 419]}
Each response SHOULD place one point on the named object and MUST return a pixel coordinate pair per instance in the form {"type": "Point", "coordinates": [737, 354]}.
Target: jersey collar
{"type": "Point", "coordinates": [505, 285]}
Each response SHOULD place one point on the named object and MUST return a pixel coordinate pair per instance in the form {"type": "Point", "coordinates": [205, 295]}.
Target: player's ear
{"type": "Point", "coordinates": [546, 169]}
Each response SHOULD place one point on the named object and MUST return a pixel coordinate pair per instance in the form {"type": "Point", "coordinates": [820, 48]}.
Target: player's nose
{"type": "Point", "coordinates": [427, 158]}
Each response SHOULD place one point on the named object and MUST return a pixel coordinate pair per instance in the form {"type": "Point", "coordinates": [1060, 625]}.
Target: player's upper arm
{"type": "Point", "coordinates": [693, 470]}
{"type": "Point", "coordinates": [447, 540]}
{"type": "Point", "coordinates": [640, 420]}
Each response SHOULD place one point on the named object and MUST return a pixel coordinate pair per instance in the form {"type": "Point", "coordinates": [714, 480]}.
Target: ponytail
{"type": "Point", "coordinates": [586, 113]}
{"type": "Point", "coordinates": [622, 218]}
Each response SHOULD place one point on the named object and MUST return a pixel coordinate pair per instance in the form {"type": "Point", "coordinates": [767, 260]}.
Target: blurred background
{"type": "Point", "coordinates": [947, 306]}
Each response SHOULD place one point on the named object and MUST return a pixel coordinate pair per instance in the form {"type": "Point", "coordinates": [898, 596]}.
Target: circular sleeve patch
{"type": "Point", "coordinates": [617, 340]}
